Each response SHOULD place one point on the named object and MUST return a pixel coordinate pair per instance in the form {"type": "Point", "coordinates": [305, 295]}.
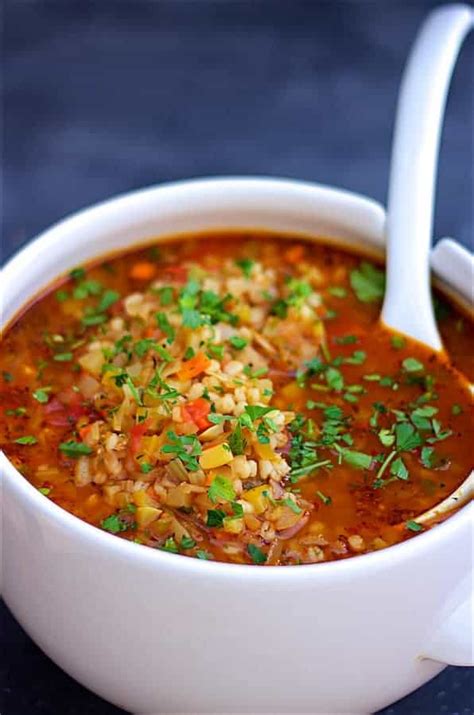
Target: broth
{"type": "Point", "coordinates": [232, 396]}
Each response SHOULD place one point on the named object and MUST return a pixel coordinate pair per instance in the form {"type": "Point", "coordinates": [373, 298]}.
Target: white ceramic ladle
{"type": "Point", "coordinates": [408, 306]}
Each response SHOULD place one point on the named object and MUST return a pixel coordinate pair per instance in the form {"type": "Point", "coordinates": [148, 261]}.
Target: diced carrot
{"type": "Point", "coordinates": [193, 367]}
{"type": "Point", "coordinates": [143, 270]}
{"type": "Point", "coordinates": [294, 254]}
{"type": "Point", "coordinates": [152, 332]}
{"type": "Point", "coordinates": [197, 411]}
{"type": "Point", "coordinates": [84, 431]}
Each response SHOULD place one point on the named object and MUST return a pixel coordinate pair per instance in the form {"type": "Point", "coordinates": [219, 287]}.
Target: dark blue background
{"type": "Point", "coordinates": [102, 97]}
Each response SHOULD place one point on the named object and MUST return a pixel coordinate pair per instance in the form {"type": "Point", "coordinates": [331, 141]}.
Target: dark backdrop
{"type": "Point", "coordinates": [105, 96]}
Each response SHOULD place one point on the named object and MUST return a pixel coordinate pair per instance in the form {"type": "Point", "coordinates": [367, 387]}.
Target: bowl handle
{"type": "Point", "coordinates": [453, 642]}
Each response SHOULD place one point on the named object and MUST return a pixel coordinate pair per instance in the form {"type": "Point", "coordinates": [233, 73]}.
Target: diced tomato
{"type": "Point", "coordinates": [197, 411]}
{"type": "Point", "coordinates": [194, 367]}
{"type": "Point", "coordinates": [294, 254]}
{"type": "Point", "coordinates": [136, 434]}
{"type": "Point", "coordinates": [176, 273]}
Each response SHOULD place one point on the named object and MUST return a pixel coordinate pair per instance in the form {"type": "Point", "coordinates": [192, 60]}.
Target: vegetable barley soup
{"type": "Point", "coordinates": [234, 397]}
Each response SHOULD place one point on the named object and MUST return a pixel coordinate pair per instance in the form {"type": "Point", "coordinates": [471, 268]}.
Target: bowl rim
{"type": "Point", "coordinates": [94, 537]}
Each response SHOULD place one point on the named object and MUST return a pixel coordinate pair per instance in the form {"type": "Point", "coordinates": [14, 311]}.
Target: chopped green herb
{"type": "Point", "coordinates": [412, 365]}
{"type": "Point", "coordinates": [216, 351]}
{"type": "Point", "coordinates": [256, 554]}
{"type": "Point", "coordinates": [166, 295]}
{"type": "Point", "coordinates": [398, 342]}
{"type": "Point", "coordinates": [345, 339]}
{"type": "Point", "coordinates": [221, 489]}
{"type": "Point", "coordinates": [292, 505]}
{"type": "Point", "coordinates": [114, 524]}
{"type": "Point", "coordinates": [386, 437]}
{"type": "Point", "coordinates": [170, 545]}
{"type": "Point", "coordinates": [359, 460]}
{"type": "Point", "coordinates": [257, 411]}
{"type": "Point", "coordinates": [165, 326]}
{"type": "Point", "coordinates": [334, 379]}
{"type": "Point", "coordinates": [27, 439]}
{"type": "Point", "coordinates": [456, 410]}
{"type": "Point", "coordinates": [428, 457]}
{"type": "Point", "coordinates": [357, 358]}
{"type": "Point", "coordinates": [44, 490]}
{"type": "Point", "coordinates": [61, 296]}
{"type": "Point", "coordinates": [107, 300]}
{"type": "Point", "coordinates": [77, 273]}
{"type": "Point", "coordinates": [16, 412]}
{"type": "Point", "coordinates": [246, 265]}
{"type": "Point", "coordinates": [146, 467]}
{"type": "Point", "coordinates": [41, 394]}
{"type": "Point", "coordinates": [237, 342]}
{"type": "Point", "coordinates": [368, 282]}
{"type": "Point", "coordinates": [398, 469]}
{"type": "Point", "coordinates": [186, 447]}
{"type": "Point", "coordinates": [74, 449]}
{"type": "Point", "coordinates": [413, 526]}
{"type": "Point", "coordinates": [7, 376]}
{"type": "Point", "coordinates": [337, 291]}
{"type": "Point", "coordinates": [63, 357]}
{"type": "Point", "coordinates": [204, 555]}
{"type": "Point", "coordinates": [236, 441]}
{"type": "Point", "coordinates": [187, 542]}
{"type": "Point", "coordinates": [406, 437]}
{"type": "Point", "coordinates": [93, 319]}
{"type": "Point", "coordinates": [215, 518]}
{"type": "Point", "coordinates": [327, 501]}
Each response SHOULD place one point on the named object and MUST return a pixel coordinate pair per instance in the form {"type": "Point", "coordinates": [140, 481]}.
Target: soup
{"type": "Point", "coordinates": [232, 396]}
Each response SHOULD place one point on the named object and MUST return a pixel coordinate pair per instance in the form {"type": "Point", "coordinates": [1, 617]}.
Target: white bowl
{"type": "Point", "coordinates": [155, 632]}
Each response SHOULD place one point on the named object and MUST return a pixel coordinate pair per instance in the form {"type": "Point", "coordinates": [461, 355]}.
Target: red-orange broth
{"type": "Point", "coordinates": [232, 396]}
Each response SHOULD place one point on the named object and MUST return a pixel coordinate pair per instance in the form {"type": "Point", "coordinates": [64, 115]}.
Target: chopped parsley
{"type": "Point", "coordinates": [256, 554]}
{"type": "Point", "coordinates": [413, 526]}
{"type": "Point", "coordinates": [368, 282]}
{"type": "Point", "coordinates": [327, 501]}
{"type": "Point", "coordinates": [237, 342]}
{"type": "Point", "coordinates": [221, 489]}
{"type": "Point", "coordinates": [41, 394]}
{"type": "Point", "coordinates": [246, 265]}
{"type": "Point", "coordinates": [27, 439]}
{"type": "Point", "coordinates": [74, 449]}
{"type": "Point", "coordinates": [185, 447]}
{"type": "Point", "coordinates": [411, 364]}
{"type": "Point", "coordinates": [114, 524]}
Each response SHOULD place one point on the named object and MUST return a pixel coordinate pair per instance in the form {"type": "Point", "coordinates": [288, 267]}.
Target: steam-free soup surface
{"type": "Point", "coordinates": [234, 397]}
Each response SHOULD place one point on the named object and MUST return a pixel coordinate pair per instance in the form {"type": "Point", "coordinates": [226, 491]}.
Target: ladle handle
{"type": "Point", "coordinates": [407, 305]}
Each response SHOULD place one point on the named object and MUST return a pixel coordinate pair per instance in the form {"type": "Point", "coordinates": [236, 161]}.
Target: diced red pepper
{"type": "Point", "coordinates": [197, 411]}
{"type": "Point", "coordinates": [176, 273]}
{"type": "Point", "coordinates": [136, 434]}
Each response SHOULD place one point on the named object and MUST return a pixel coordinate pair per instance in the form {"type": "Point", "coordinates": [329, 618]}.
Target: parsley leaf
{"type": "Point", "coordinates": [27, 439]}
{"type": "Point", "coordinates": [215, 518]}
{"type": "Point", "coordinates": [256, 554]}
{"type": "Point", "coordinates": [413, 526]}
{"type": "Point", "coordinates": [236, 441]}
{"type": "Point", "coordinates": [407, 437]}
{"type": "Point", "coordinates": [221, 489]}
{"type": "Point", "coordinates": [412, 365]}
{"type": "Point", "coordinates": [74, 449]}
{"type": "Point", "coordinates": [368, 282]}
{"type": "Point", "coordinates": [114, 524]}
